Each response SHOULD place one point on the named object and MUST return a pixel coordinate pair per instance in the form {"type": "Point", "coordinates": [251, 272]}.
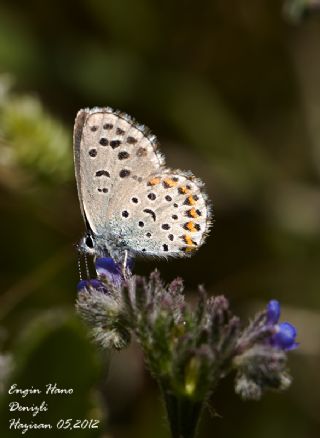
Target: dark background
{"type": "Point", "coordinates": [232, 91]}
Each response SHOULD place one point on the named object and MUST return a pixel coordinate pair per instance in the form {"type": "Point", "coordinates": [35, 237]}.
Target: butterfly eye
{"type": "Point", "coordinates": [89, 242]}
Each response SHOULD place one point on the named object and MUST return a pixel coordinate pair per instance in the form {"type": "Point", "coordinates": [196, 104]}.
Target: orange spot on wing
{"type": "Point", "coordinates": [191, 200]}
{"type": "Point", "coordinates": [191, 226]}
{"type": "Point", "coordinates": [183, 190]}
{"type": "Point", "coordinates": [193, 212]}
{"type": "Point", "coordinates": [188, 240]}
{"type": "Point", "coordinates": [154, 181]}
{"type": "Point", "coordinates": [168, 182]}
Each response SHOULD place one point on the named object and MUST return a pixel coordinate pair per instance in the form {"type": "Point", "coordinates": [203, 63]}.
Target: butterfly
{"type": "Point", "coordinates": [132, 204]}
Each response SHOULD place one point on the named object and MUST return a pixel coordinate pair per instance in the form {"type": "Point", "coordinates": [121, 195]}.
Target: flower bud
{"type": "Point", "coordinates": [273, 312]}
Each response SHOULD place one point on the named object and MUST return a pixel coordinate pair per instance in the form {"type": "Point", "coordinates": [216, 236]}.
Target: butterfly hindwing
{"type": "Point", "coordinates": [166, 214]}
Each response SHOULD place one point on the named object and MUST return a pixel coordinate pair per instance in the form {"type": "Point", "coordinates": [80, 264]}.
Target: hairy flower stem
{"type": "Point", "coordinates": [183, 415]}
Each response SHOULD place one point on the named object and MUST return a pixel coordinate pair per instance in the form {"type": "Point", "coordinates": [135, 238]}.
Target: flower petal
{"type": "Point", "coordinates": [285, 336]}
{"type": "Point", "coordinates": [94, 283]}
{"type": "Point", "coordinates": [273, 312]}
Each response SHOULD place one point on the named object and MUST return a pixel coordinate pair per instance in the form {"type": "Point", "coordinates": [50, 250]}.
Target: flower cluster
{"type": "Point", "coordinates": [187, 349]}
{"type": "Point", "coordinates": [261, 353]}
{"type": "Point", "coordinates": [100, 304]}
{"type": "Point", "coordinates": [284, 333]}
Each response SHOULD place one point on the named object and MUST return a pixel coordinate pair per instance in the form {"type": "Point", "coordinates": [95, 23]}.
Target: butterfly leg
{"type": "Point", "coordinates": [79, 266]}
{"type": "Point", "coordinates": [124, 265]}
{"type": "Point", "coordinates": [83, 259]}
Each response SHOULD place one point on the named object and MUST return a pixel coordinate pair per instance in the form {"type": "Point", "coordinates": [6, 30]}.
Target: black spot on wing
{"type": "Point", "coordinates": [151, 212]}
{"type": "Point", "coordinates": [103, 173]}
{"type": "Point", "coordinates": [123, 155]}
{"type": "Point", "coordinates": [124, 173]}
{"type": "Point", "coordinates": [115, 143]}
{"type": "Point", "coordinates": [103, 141]}
{"type": "Point", "coordinates": [131, 140]}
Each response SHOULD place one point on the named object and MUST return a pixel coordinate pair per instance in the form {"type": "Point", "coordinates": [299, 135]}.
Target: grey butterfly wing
{"type": "Point", "coordinates": [109, 147]}
{"type": "Point", "coordinates": [77, 135]}
{"type": "Point", "coordinates": [164, 214]}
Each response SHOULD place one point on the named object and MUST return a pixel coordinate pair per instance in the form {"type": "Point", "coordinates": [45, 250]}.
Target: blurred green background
{"type": "Point", "coordinates": [232, 91]}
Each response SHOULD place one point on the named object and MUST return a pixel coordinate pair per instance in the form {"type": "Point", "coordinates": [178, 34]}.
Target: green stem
{"type": "Point", "coordinates": [183, 415]}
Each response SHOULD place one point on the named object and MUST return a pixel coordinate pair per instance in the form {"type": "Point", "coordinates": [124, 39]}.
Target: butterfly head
{"type": "Point", "coordinates": [94, 245]}
{"type": "Point", "coordinates": [87, 244]}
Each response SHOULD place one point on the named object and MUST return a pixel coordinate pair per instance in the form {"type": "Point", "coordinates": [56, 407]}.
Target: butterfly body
{"type": "Point", "coordinates": [131, 203]}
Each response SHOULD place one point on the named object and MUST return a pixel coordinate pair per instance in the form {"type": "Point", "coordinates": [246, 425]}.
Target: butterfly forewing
{"type": "Point", "coordinates": [109, 148]}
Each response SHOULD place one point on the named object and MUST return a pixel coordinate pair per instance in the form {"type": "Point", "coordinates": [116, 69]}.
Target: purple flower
{"type": "Point", "coordinates": [94, 283]}
{"type": "Point", "coordinates": [285, 336]}
{"type": "Point", "coordinates": [273, 312]}
{"type": "Point", "coordinates": [107, 267]}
